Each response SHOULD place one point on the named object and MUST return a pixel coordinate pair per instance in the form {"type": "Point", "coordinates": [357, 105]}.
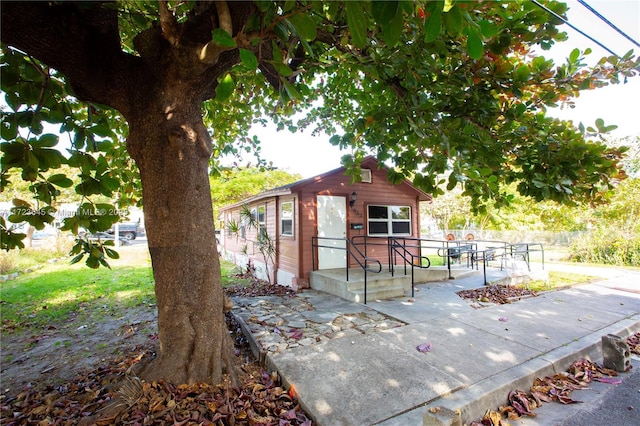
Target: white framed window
{"type": "Point", "coordinates": [260, 219]}
{"type": "Point", "coordinates": [388, 220]}
{"type": "Point", "coordinates": [286, 218]}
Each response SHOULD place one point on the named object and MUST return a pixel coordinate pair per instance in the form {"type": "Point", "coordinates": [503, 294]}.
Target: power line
{"type": "Point", "coordinates": [574, 27]}
{"type": "Point", "coordinates": [595, 12]}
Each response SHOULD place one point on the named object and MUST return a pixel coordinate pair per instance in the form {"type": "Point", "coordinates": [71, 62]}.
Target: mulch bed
{"type": "Point", "coordinates": [108, 395]}
{"type": "Point", "coordinates": [260, 288]}
{"type": "Point", "coordinates": [497, 294]}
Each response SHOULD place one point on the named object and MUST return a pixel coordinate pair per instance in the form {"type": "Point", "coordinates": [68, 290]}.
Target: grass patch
{"type": "Point", "coordinates": [232, 275]}
{"type": "Point", "coordinates": [436, 260]}
{"type": "Point", "coordinates": [559, 280]}
{"type": "Point", "coordinates": [57, 292]}
{"type": "Point", "coordinates": [19, 260]}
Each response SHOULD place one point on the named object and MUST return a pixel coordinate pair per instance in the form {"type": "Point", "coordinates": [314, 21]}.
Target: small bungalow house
{"type": "Point", "coordinates": [307, 223]}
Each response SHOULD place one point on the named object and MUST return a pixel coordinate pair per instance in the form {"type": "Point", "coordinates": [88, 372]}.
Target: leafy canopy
{"type": "Point", "coordinates": [445, 92]}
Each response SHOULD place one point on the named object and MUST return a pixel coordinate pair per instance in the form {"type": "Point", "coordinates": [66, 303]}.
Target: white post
{"type": "Point", "coordinates": [116, 234]}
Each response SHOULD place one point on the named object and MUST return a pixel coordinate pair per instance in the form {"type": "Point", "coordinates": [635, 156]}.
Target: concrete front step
{"type": "Point", "coordinates": [380, 286]}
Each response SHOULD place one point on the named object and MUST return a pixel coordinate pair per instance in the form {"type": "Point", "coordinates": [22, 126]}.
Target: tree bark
{"type": "Point", "coordinates": [171, 149]}
{"type": "Point", "coordinates": [160, 93]}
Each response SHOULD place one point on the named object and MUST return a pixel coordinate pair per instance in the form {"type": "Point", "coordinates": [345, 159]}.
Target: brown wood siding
{"type": "Point", "coordinates": [378, 192]}
{"type": "Point", "coordinates": [287, 248]}
{"type": "Point", "coordinates": [308, 229]}
{"type": "Point", "coordinates": [295, 254]}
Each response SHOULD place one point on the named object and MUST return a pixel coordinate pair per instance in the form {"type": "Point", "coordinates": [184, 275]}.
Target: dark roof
{"type": "Point", "coordinates": [290, 188]}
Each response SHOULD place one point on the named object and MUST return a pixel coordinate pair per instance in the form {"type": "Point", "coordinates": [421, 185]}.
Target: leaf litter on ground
{"type": "Point", "coordinates": [557, 388]}
{"type": "Point", "coordinates": [108, 394]}
{"type": "Point", "coordinates": [498, 294]}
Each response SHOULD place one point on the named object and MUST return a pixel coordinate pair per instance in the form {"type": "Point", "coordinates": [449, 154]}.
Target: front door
{"type": "Point", "coordinates": [332, 223]}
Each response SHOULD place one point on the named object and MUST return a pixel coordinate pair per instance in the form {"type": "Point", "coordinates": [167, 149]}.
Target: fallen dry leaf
{"type": "Point", "coordinates": [424, 347]}
{"type": "Point", "coordinates": [497, 294]}
{"type": "Point", "coordinates": [104, 396]}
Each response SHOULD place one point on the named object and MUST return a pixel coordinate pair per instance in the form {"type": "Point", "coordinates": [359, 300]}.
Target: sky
{"type": "Point", "coordinates": [309, 156]}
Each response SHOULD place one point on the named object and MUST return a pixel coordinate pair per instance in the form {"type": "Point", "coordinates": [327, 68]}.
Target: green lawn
{"type": "Point", "coordinates": [57, 292]}
{"type": "Point", "coordinates": [559, 280]}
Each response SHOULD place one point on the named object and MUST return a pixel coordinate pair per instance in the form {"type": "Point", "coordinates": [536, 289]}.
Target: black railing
{"type": "Point", "coordinates": [402, 249]}
{"type": "Point", "coordinates": [352, 251]}
{"type": "Point", "coordinates": [412, 252]}
{"type": "Point", "coordinates": [524, 251]}
{"type": "Point", "coordinates": [488, 250]}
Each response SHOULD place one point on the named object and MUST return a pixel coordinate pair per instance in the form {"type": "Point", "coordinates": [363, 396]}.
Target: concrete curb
{"type": "Point", "coordinates": [471, 403]}
{"type": "Point", "coordinates": [260, 354]}
{"type": "Point", "coordinates": [460, 405]}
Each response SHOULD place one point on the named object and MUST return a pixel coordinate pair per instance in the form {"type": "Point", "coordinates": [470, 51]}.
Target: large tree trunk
{"type": "Point", "coordinates": [171, 148]}
{"type": "Point", "coordinates": [160, 92]}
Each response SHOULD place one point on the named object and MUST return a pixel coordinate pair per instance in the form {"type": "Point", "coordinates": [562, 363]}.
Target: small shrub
{"type": "Point", "coordinates": [7, 262]}
{"type": "Point", "coordinates": [607, 247]}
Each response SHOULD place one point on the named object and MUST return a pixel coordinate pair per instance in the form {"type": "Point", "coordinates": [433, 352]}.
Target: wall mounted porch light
{"type": "Point", "coordinates": [353, 198]}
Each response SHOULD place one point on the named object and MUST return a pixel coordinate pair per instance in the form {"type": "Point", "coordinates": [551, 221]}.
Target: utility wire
{"type": "Point", "coordinates": [595, 12]}
{"type": "Point", "coordinates": [574, 27]}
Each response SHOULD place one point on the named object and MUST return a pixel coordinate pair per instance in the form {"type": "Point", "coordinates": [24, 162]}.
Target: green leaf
{"type": "Point", "coordinates": [222, 38]}
{"type": "Point", "coordinates": [304, 25]}
{"type": "Point", "coordinates": [60, 180]}
{"type": "Point", "coordinates": [448, 5]}
{"type": "Point", "coordinates": [393, 29]}
{"type": "Point", "coordinates": [21, 203]}
{"type": "Point", "coordinates": [47, 140]}
{"type": "Point", "coordinates": [384, 11]}
{"type": "Point", "coordinates": [8, 130]}
{"type": "Point", "coordinates": [282, 69]}
{"type": "Point", "coordinates": [111, 253]}
{"type": "Point", "coordinates": [357, 22]}
{"type": "Point", "coordinates": [291, 90]}
{"type": "Point", "coordinates": [474, 44]}
{"type": "Point", "coordinates": [574, 55]}
{"type": "Point", "coordinates": [288, 5]}
{"type": "Point", "coordinates": [110, 184]}
{"type": "Point", "coordinates": [602, 128]}
{"type": "Point", "coordinates": [453, 181]}
{"type": "Point", "coordinates": [249, 60]}
{"type": "Point", "coordinates": [453, 21]}
{"type": "Point", "coordinates": [432, 26]}
{"type": "Point", "coordinates": [225, 88]}
{"type": "Point", "coordinates": [488, 29]}
{"type": "Point", "coordinates": [522, 73]}
{"type": "Point", "coordinates": [93, 262]}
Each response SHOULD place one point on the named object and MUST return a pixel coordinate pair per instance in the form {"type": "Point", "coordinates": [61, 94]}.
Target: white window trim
{"type": "Point", "coordinates": [262, 225]}
{"type": "Point", "coordinates": [365, 175]}
{"type": "Point", "coordinates": [389, 220]}
{"type": "Point", "coordinates": [282, 218]}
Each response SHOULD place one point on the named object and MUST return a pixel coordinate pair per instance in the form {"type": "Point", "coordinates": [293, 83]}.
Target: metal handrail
{"type": "Point", "coordinates": [456, 249]}
{"type": "Point", "coordinates": [516, 250]}
{"type": "Point", "coordinates": [367, 242]}
{"type": "Point", "coordinates": [364, 263]}
{"type": "Point", "coordinates": [396, 248]}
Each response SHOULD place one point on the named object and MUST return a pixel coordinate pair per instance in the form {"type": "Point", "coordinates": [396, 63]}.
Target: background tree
{"type": "Point", "coordinates": [432, 87]}
{"type": "Point", "coordinates": [233, 185]}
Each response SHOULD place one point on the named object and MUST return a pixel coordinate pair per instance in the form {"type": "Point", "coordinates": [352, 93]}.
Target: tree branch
{"type": "Point", "coordinates": [169, 24]}
{"type": "Point", "coordinates": [83, 43]}
{"type": "Point", "coordinates": [211, 51]}
{"type": "Point", "coordinates": [224, 16]}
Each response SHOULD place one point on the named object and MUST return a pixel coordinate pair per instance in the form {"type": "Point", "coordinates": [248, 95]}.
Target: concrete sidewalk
{"type": "Point", "coordinates": [477, 355]}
